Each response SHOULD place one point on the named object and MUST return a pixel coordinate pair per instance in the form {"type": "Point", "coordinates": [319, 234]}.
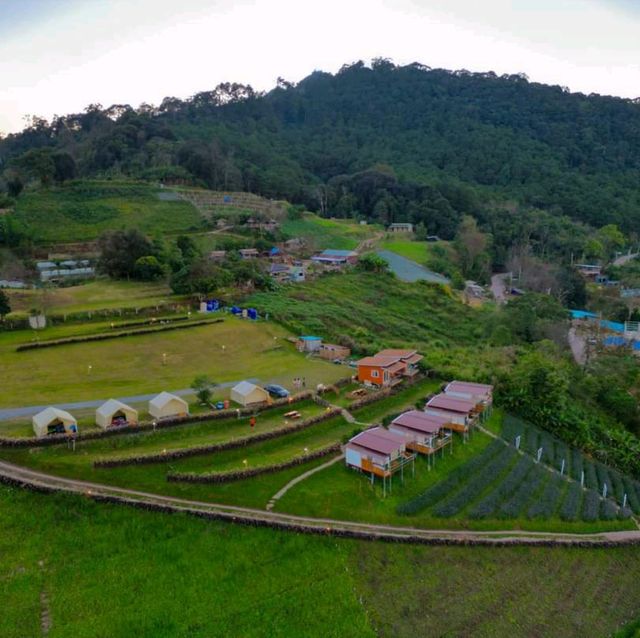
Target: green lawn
{"type": "Point", "coordinates": [83, 209]}
{"type": "Point", "coordinates": [93, 296]}
{"type": "Point", "coordinates": [106, 571]}
{"type": "Point", "coordinates": [415, 250]}
{"type": "Point", "coordinates": [134, 365]}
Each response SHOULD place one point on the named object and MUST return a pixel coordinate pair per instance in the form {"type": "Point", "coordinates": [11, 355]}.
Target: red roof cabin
{"type": "Point", "coordinates": [423, 433]}
{"type": "Point", "coordinates": [379, 452]}
{"type": "Point", "coordinates": [460, 413]}
{"type": "Point", "coordinates": [388, 367]}
{"type": "Point", "coordinates": [480, 393]}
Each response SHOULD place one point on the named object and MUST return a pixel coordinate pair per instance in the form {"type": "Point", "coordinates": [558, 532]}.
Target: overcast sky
{"type": "Point", "coordinates": [57, 56]}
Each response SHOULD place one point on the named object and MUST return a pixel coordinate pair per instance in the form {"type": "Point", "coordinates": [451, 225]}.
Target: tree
{"type": "Point", "coordinates": [373, 263]}
{"type": "Point", "coordinates": [120, 250]}
{"type": "Point", "coordinates": [472, 244]}
{"type": "Point", "coordinates": [39, 164]}
{"type": "Point", "coordinates": [5, 306]}
{"type": "Point", "coordinates": [204, 387]}
{"type": "Point", "coordinates": [611, 239]}
{"type": "Point", "coordinates": [64, 167]}
{"type": "Point", "coordinates": [148, 268]}
{"type": "Point", "coordinates": [200, 278]}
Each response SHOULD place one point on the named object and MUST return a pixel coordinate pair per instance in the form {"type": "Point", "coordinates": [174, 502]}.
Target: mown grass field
{"type": "Point", "coordinates": [135, 365]}
{"type": "Point", "coordinates": [341, 234]}
{"type": "Point", "coordinates": [83, 209]}
{"type": "Point", "coordinates": [108, 571]}
{"type": "Point", "coordinates": [92, 296]}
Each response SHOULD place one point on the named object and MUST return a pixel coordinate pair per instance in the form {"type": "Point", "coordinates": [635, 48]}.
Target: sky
{"type": "Point", "coordinates": [58, 56]}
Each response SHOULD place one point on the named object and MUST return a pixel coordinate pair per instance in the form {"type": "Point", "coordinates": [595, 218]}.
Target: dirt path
{"type": "Point", "coordinates": [578, 346]}
{"type": "Point", "coordinates": [623, 259]}
{"type": "Point", "coordinates": [278, 495]}
{"type": "Point", "coordinates": [499, 287]}
{"type": "Point", "coordinates": [31, 479]}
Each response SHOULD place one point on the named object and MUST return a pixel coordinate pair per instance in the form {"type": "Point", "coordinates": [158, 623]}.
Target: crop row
{"type": "Point", "coordinates": [547, 502]}
{"type": "Point", "coordinates": [476, 485]}
{"type": "Point", "coordinates": [528, 488]}
{"type": "Point", "coordinates": [455, 478]}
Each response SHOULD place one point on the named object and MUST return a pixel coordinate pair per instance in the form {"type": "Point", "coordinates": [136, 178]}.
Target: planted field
{"type": "Point", "coordinates": [83, 209]}
{"type": "Point", "coordinates": [323, 233]}
{"type": "Point", "coordinates": [115, 571]}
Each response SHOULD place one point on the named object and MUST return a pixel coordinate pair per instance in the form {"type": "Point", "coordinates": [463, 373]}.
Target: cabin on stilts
{"type": "Point", "coordinates": [423, 433]}
{"type": "Point", "coordinates": [380, 453]}
{"type": "Point", "coordinates": [461, 414]}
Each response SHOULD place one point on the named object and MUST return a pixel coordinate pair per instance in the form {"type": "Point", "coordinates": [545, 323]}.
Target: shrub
{"type": "Point", "coordinates": [591, 506]}
{"type": "Point", "coordinates": [571, 503]}
{"type": "Point", "coordinates": [547, 503]}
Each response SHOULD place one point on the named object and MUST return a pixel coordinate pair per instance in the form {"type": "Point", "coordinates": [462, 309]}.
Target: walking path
{"type": "Point", "coordinates": [408, 270]}
{"type": "Point", "coordinates": [278, 495]}
{"type": "Point", "coordinates": [578, 346]}
{"type": "Point", "coordinates": [16, 413]}
{"type": "Point", "coordinates": [499, 287]}
{"type": "Point", "coordinates": [27, 478]}
{"type": "Point", "coordinates": [623, 259]}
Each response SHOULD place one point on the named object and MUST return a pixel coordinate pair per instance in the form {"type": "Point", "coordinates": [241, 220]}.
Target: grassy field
{"type": "Point", "coordinates": [341, 234]}
{"type": "Point", "coordinates": [83, 209]}
{"type": "Point", "coordinates": [135, 365]}
{"type": "Point", "coordinates": [99, 571]}
{"type": "Point", "coordinates": [415, 250]}
{"type": "Point", "coordinates": [92, 296]}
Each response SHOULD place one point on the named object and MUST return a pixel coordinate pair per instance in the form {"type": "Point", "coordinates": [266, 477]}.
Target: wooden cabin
{"type": "Point", "coordinates": [422, 433]}
{"type": "Point", "coordinates": [388, 367]}
{"type": "Point", "coordinates": [480, 394]}
{"type": "Point", "coordinates": [460, 413]}
{"type": "Point", "coordinates": [377, 451]}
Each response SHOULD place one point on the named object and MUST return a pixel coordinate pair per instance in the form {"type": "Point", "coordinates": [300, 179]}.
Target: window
{"type": "Point", "coordinates": [374, 374]}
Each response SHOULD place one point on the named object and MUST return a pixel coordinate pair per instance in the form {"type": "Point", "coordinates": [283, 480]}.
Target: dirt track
{"type": "Point", "coordinates": [30, 479]}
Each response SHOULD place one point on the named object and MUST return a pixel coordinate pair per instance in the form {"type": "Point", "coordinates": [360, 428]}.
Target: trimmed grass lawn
{"type": "Point", "coordinates": [415, 250]}
{"type": "Point", "coordinates": [134, 365]}
{"type": "Point", "coordinates": [83, 209]}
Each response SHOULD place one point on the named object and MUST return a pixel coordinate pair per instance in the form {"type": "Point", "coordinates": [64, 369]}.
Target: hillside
{"type": "Point", "coordinates": [441, 144]}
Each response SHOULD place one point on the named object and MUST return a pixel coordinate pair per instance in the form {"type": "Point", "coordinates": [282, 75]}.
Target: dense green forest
{"type": "Point", "coordinates": [385, 142]}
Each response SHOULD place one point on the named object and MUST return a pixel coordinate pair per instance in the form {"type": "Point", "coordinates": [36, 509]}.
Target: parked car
{"type": "Point", "coordinates": [277, 391]}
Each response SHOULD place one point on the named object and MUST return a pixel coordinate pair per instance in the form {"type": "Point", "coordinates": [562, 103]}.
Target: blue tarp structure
{"type": "Point", "coordinates": [274, 251]}
{"type": "Point", "coordinates": [252, 313]}
{"type": "Point", "coordinates": [227, 199]}
{"type": "Point", "coordinates": [612, 325]}
{"type": "Point", "coordinates": [236, 310]}
{"type": "Point", "coordinates": [583, 314]}
{"type": "Point", "coordinates": [613, 341]}
{"type": "Point", "coordinates": [213, 305]}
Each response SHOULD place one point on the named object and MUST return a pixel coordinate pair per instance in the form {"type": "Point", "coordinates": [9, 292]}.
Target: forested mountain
{"type": "Point", "coordinates": [383, 141]}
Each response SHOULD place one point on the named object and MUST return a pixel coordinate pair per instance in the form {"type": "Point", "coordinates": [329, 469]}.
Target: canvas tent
{"type": "Point", "coordinates": [167, 405]}
{"type": "Point", "coordinates": [114, 413]}
{"type": "Point", "coordinates": [54, 421]}
{"type": "Point", "coordinates": [246, 393]}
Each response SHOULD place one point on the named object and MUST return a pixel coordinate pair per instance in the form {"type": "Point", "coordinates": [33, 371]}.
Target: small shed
{"type": "Point", "coordinates": [167, 405]}
{"type": "Point", "coordinates": [113, 413]}
{"type": "Point", "coordinates": [333, 351]}
{"type": "Point", "coordinates": [459, 412]}
{"type": "Point", "coordinates": [246, 393]}
{"type": "Point", "coordinates": [308, 343]}
{"type": "Point", "coordinates": [400, 228]}
{"type": "Point", "coordinates": [54, 421]}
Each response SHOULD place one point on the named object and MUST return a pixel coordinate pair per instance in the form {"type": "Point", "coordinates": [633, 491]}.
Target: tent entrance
{"type": "Point", "coordinates": [56, 427]}
{"type": "Point", "coordinates": [119, 418]}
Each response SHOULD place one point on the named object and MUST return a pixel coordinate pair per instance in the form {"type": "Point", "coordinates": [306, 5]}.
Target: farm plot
{"type": "Point", "coordinates": [501, 484]}
{"type": "Point", "coordinates": [606, 481]}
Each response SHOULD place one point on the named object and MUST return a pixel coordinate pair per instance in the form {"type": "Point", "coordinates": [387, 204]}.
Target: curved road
{"type": "Point", "coordinates": [24, 477]}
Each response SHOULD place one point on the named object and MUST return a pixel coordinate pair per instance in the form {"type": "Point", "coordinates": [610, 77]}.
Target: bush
{"type": "Point", "coordinates": [571, 504]}
{"type": "Point", "coordinates": [547, 503]}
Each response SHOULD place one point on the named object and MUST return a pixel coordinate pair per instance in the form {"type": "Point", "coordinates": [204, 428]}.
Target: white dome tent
{"type": "Point", "coordinates": [167, 405]}
{"type": "Point", "coordinates": [54, 421]}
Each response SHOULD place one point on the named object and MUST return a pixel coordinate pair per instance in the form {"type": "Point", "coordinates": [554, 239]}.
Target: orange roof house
{"type": "Point", "coordinates": [388, 367]}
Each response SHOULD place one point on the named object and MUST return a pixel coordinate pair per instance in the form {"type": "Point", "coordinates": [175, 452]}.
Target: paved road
{"type": "Point", "coordinates": [408, 270]}
{"type": "Point", "coordinates": [25, 477]}
{"type": "Point", "coordinates": [623, 259]}
{"type": "Point", "coordinates": [17, 413]}
{"type": "Point", "coordinates": [499, 287]}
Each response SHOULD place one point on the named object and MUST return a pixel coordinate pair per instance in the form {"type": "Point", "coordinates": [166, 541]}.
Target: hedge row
{"type": "Point", "coordinates": [103, 336]}
{"type": "Point", "coordinates": [239, 475]}
{"type": "Point", "coordinates": [215, 415]}
{"type": "Point", "coordinates": [216, 447]}
{"type": "Point", "coordinates": [300, 528]}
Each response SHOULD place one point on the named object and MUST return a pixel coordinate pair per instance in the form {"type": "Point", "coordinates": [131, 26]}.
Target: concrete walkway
{"type": "Point", "coordinates": [278, 495]}
{"type": "Point", "coordinates": [16, 413]}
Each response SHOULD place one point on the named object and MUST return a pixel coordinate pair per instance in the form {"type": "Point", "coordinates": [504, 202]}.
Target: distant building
{"type": "Point", "coordinates": [333, 351]}
{"type": "Point", "coordinates": [217, 255]}
{"type": "Point", "coordinates": [400, 228]}
{"type": "Point", "coordinates": [308, 343]}
{"type": "Point", "coordinates": [338, 258]}
{"type": "Point", "coordinates": [50, 271]}
{"type": "Point", "coordinates": [590, 271]}
{"type": "Point", "coordinates": [268, 225]}
{"type": "Point", "coordinates": [8, 283]}
{"type": "Point", "coordinates": [249, 253]}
